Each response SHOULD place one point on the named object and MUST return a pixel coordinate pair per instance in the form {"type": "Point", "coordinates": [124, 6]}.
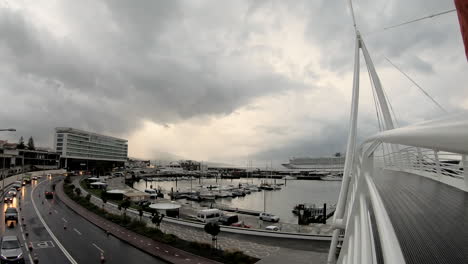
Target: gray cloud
{"type": "Point", "coordinates": [140, 76]}
{"type": "Point", "coordinates": [119, 62]}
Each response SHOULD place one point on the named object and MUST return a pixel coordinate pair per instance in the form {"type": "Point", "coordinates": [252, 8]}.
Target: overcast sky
{"type": "Point", "coordinates": [217, 80]}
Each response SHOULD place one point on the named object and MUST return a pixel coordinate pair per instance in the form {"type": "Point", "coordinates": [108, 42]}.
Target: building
{"type": "Point", "coordinates": [82, 150]}
{"type": "Point", "coordinates": [16, 160]}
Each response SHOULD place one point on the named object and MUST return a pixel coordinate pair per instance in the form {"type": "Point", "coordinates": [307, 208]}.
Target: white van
{"type": "Point", "coordinates": [209, 215]}
{"type": "Point", "coordinates": [152, 193]}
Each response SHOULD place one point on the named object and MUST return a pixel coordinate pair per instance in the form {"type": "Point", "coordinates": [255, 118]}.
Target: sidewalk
{"type": "Point", "coordinates": [155, 248]}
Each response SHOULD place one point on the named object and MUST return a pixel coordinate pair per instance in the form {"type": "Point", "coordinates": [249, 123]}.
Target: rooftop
{"type": "Point", "coordinates": [79, 131]}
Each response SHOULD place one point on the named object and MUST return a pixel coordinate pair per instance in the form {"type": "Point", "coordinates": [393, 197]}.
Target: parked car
{"type": "Point", "coordinates": [241, 224]}
{"type": "Point", "coordinates": [268, 217]}
{"type": "Point", "coordinates": [8, 198]}
{"type": "Point", "coordinates": [11, 214]}
{"type": "Point", "coordinates": [209, 215]}
{"type": "Point", "coordinates": [228, 219]}
{"type": "Point", "coordinates": [49, 195]}
{"type": "Point", "coordinates": [272, 228]}
{"type": "Point", "coordinates": [10, 250]}
{"type": "Point", "coordinates": [143, 203]}
{"type": "Point", "coordinates": [153, 194]}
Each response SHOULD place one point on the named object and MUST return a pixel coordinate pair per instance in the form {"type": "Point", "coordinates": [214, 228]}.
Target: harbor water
{"type": "Point", "coordinates": [279, 202]}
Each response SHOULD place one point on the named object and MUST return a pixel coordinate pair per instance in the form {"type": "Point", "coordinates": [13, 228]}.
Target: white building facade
{"type": "Point", "coordinates": [81, 149]}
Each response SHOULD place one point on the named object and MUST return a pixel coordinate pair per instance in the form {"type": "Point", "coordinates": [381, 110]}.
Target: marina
{"type": "Point", "coordinates": [278, 198]}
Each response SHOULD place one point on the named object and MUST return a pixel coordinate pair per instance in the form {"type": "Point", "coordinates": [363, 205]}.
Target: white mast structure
{"type": "Point", "coordinates": [338, 219]}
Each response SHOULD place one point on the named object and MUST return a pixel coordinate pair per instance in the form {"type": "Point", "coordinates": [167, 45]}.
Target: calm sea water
{"type": "Point", "coordinates": [279, 202]}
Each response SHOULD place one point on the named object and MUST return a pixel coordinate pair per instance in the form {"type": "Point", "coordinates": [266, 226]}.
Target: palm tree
{"type": "Point", "coordinates": [157, 219]}
{"type": "Point", "coordinates": [125, 204]}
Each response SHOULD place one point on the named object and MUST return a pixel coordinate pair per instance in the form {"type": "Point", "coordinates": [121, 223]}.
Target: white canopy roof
{"type": "Point", "coordinates": [98, 183]}
{"type": "Point", "coordinates": [165, 206]}
{"type": "Point", "coordinates": [93, 179]}
{"type": "Point", "coordinates": [116, 191]}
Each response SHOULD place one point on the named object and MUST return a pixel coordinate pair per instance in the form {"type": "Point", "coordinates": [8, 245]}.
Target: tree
{"type": "Point", "coordinates": [125, 204]}
{"type": "Point", "coordinates": [140, 213]}
{"type": "Point", "coordinates": [103, 198]}
{"type": "Point", "coordinates": [213, 229]}
{"type": "Point", "coordinates": [21, 143]}
{"type": "Point", "coordinates": [31, 143]}
{"type": "Point", "coordinates": [78, 191]}
{"type": "Point", "coordinates": [157, 219]}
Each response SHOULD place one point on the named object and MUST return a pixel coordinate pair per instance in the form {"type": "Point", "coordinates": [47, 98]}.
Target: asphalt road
{"type": "Point", "coordinates": [59, 235]}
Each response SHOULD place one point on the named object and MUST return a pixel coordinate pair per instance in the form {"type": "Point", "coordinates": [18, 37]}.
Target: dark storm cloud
{"type": "Point", "coordinates": [136, 75]}
{"type": "Point", "coordinates": [169, 61]}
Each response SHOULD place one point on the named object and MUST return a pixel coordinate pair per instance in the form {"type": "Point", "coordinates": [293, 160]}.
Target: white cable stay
{"type": "Point", "coordinates": [417, 85]}
{"type": "Point", "coordinates": [408, 22]}
{"type": "Point", "coordinates": [419, 19]}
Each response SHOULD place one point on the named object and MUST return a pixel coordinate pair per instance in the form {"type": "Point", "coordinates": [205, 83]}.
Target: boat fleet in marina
{"type": "Point", "coordinates": [212, 192]}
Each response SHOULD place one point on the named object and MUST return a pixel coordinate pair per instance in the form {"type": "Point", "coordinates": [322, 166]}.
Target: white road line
{"type": "Point", "coordinates": [26, 246]}
{"type": "Point", "coordinates": [102, 251]}
{"type": "Point", "coordinates": [24, 238]}
{"type": "Point", "coordinates": [30, 258]}
{"type": "Point", "coordinates": [55, 211]}
{"type": "Point", "coordinates": [65, 220]}
{"type": "Point", "coordinates": [78, 232]}
{"type": "Point", "coordinates": [65, 252]}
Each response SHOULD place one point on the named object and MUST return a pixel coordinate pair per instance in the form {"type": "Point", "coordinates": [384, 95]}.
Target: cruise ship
{"type": "Point", "coordinates": [333, 165]}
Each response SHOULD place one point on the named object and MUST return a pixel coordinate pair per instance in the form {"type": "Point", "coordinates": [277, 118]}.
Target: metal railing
{"type": "Point", "coordinates": [436, 149]}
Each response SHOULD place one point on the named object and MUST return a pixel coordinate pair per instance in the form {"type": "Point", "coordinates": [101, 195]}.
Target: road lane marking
{"type": "Point", "coordinates": [100, 249]}
{"type": "Point", "coordinates": [65, 252]}
{"type": "Point", "coordinates": [55, 211]}
{"type": "Point", "coordinates": [78, 232]}
{"type": "Point", "coordinates": [65, 220]}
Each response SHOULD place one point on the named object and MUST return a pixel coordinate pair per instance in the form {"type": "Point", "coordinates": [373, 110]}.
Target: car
{"type": "Point", "coordinates": [49, 195]}
{"type": "Point", "coordinates": [11, 214]}
{"type": "Point", "coordinates": [34, 178]}
{"type": "Point", "coordinates": [228, 219]}
{"type": "Point", "coordinates": [17, 186]}
{"type": "Point", "coordinates": [12, 192]}
{"type": "Point", "coordinates": [26, 180]}
{"type": "Point", "coordinates": [143, 203]}
{"type": "Point", "coordinates": [272, 228]}
{"type": "Point", "coordinates": [8, 199]}
{"type": "Point", "coordinates": [268, 217]}
{"type": "Point", "coordinates": [241, 224]}
{"type": "Point", "coordinates": [10, 250]}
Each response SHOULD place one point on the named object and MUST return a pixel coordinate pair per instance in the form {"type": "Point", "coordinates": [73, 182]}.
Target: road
{"type": "Point", "coordinates": [59, 235]}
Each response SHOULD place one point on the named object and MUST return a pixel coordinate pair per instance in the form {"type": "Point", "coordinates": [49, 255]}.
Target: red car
{"type": "Point", "coordinates": [241, 224]}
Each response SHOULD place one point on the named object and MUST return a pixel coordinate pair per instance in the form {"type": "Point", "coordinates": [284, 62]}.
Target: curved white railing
{"type": "Point", "coordinates": [437, 149]}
